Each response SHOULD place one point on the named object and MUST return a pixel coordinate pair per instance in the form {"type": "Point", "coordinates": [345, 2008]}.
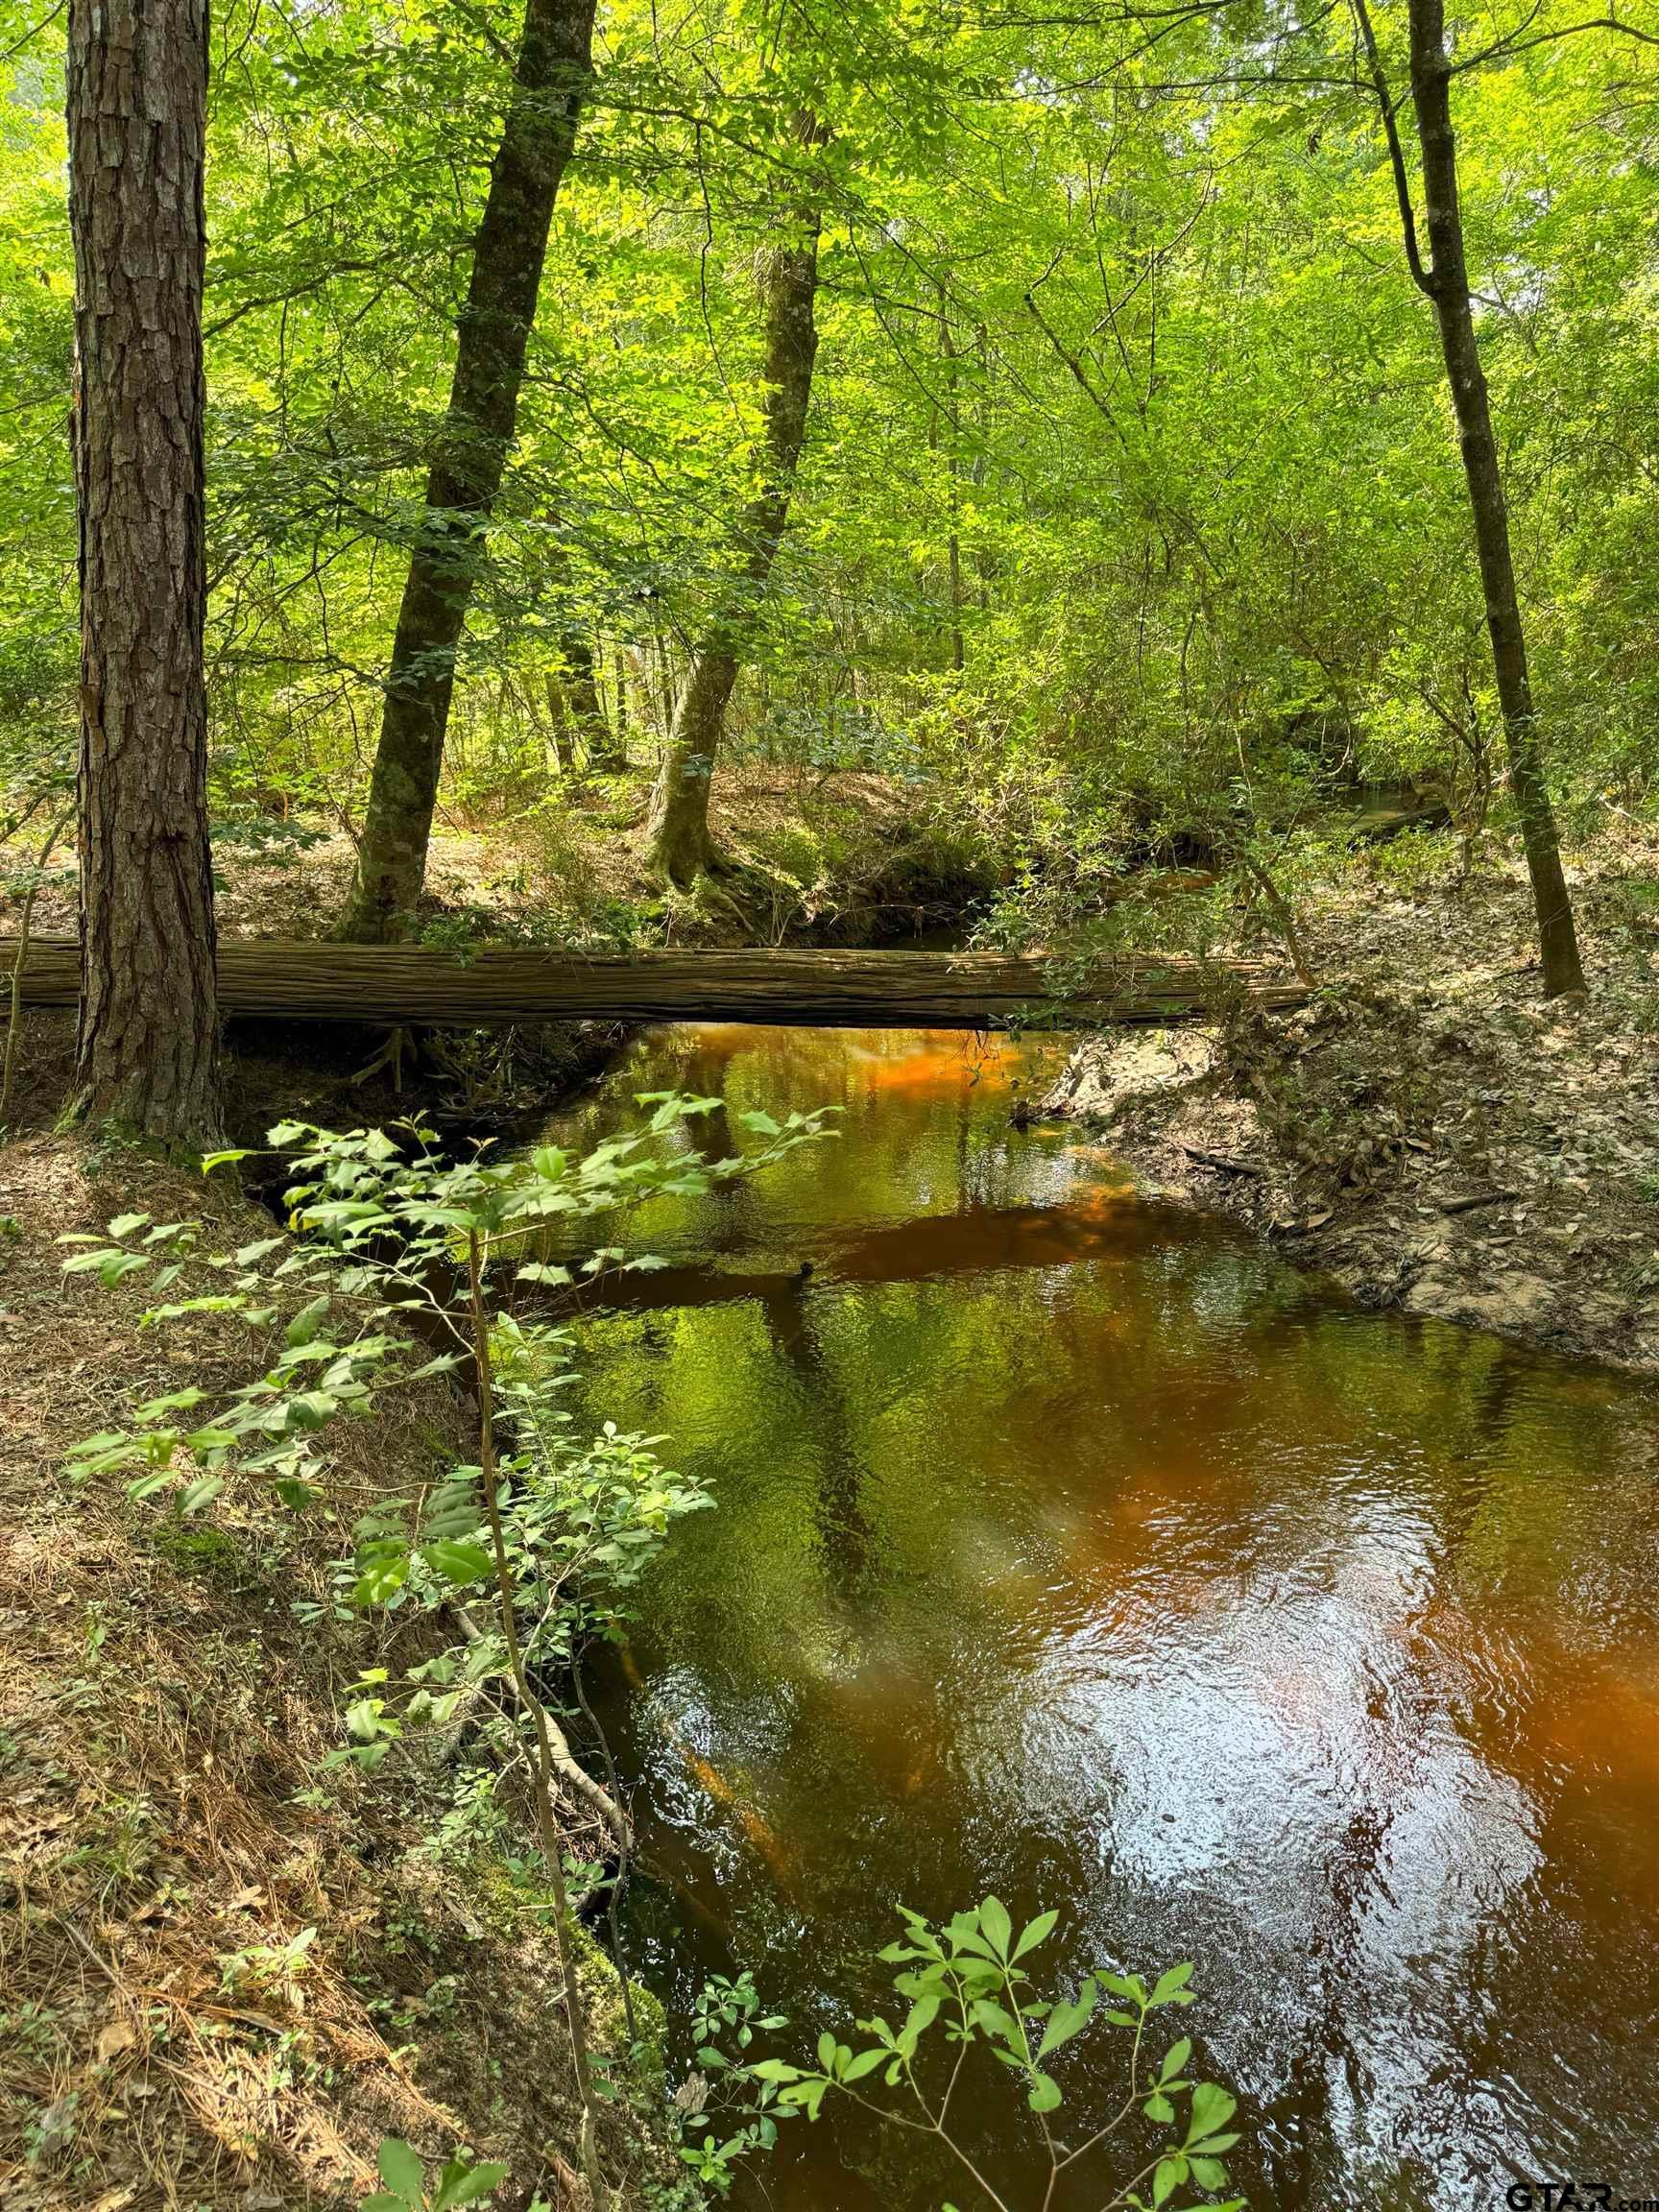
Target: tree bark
{"type": "Point", "coordinates": [554, 70]}
{"type": "Point", "coordinates": [679, 846]}
{"type": "Point", "coordinates": [136, 111]}
{"type": "Point", "coordinates": [578, 710]}
{"type": "Point", "coordinates": [1446, 281]}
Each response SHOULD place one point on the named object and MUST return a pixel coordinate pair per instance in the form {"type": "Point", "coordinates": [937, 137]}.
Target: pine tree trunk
{"type": "Point", "coordinates": [1447, 286]}
{"type": "Point", "coordinates": [550, 82]}
{"type": "Point", "coordinates": [679, 845]}
{"type": "Point", "coordinates": [136, 108]}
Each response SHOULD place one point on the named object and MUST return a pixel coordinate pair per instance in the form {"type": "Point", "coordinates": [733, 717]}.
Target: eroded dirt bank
{"type": "Point", "coordinates": [1431, 1131]}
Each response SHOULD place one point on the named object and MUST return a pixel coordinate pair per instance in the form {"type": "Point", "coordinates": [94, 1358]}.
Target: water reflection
{"type": "Point", "coordinates": [1068, 1546]}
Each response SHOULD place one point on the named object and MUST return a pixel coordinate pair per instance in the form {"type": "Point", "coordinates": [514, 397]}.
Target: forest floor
{"type": "Point", "coordinates": [843, 857]}
{"type": "Point", "coordinates": [230, 1963]}
{"type": "Point", "coordinates": [1431, 1131]}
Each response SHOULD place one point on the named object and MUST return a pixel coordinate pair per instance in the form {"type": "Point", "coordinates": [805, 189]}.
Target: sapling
{"type": "Point", "coordinates": [385, 1239]}
{"type": "Point", "coordinates": [967, 1991]}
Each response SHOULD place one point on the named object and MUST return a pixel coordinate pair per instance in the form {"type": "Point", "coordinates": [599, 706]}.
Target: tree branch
{"type": "Point", "coordinates": [1505, 47]}
{"type": "Point", "coordinates": [1423, 278]}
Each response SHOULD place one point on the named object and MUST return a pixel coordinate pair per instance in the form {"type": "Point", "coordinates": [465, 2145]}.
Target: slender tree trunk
{"type": "Point", "coordinates": [952, 540]}
{"type": "Point", "coordinates": [579, 708]}
{"type": "Point", "coordinates": [680, 848]}
{"type": "Point", "coordinates": [622, 656]}
{"type": "Point", "coordinates": [554, 68]}
{"type": "Point", "coordinates": [136, 105]}
{"type": "Point", "coordinates": [1447, 284]}
{"type": "Point", "coordinates": [582, 735]}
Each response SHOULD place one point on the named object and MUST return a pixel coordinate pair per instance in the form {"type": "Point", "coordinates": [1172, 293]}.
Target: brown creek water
{"type": "Point", "coordinates": [1068, 1546]}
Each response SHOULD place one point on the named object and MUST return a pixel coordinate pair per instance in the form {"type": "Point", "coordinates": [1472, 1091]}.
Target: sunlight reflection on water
{"type": "Point", "coordinates": [1071, 1547]}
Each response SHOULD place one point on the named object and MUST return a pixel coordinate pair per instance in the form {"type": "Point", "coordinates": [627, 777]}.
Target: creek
{"type": "Point", "coordinates": [1071, 1546]}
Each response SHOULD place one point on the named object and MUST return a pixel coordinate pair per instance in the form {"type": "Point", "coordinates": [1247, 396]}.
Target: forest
{"type": "Point", "coordinates": [829, 1104]}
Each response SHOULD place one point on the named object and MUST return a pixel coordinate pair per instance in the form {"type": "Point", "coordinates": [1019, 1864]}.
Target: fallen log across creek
{"type": "Point", "coordinates": [403, 985]}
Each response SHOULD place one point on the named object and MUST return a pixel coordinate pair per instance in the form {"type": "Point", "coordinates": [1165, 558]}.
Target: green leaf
{"type": "Point", "coordinates": [1208, 2173]}
{"type": "Point", "coordinates": [920, 2017]}
{"type": "Point", "coordinates": [1036, 1931]}
{"type": "Point", "coordinates": [91, 1446]}
{"type": "Point", "coordinates": [1212, 2108]}
{"type": "Point", "coordinates": [462, 2184]}
{"type": "Point", "coordinates": [1158, 2109]}
{"type": "Point", "coordinates": [995, 2020]}
{"type": "Point", "coordinates": [201, 1492]}
{"type": "Point", "coordinates": [1067, 2018]}
{"type": "Point", "coordinates": [1128, 1986]}
{"type": "Point", "coordinates": [379, 1583]}
{"type": "Point", "coordinates": [995, 1926]}
{"type": "Point", "coordinates": [304, 1328]}
{"type": "Point", "coordinates": [1044, 2094]}
{"type": "Point", "coordinates": [1172, 1989]}
{"type": "Point", "coordinates": [205, 1441]}
{"type": "Point", "coordinates": [1168, 2177]}
{"type": "Point", "coordinates": [175, 1401]}
{"type": "Point", "coordinates": [400, 2169]}
{"type": "Point", "coordinates": [110, 1263]}
{"type": "Point", "coordinates": [457, 1562]}
{"type": "Point", "coordinates": [310, 1409]}
{"type": "Point", "coordinates": [123, 1224]}
{"type": "Point", "coordinates": [210, 1161]}
{"type": "Point", "coordinates": [1174, 2060]}
{"type": "Point", "coordinates": [866, 2062]}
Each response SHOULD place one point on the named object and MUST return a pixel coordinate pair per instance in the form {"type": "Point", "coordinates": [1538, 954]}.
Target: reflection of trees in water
{"type": "Point", "coordinates": [845, 1539]}
{"type": "Point", "coordinates": [1188, 1419]}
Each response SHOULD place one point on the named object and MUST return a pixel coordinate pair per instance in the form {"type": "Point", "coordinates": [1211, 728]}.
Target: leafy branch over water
{"type": "Point", "coordinates": [968, 1990]}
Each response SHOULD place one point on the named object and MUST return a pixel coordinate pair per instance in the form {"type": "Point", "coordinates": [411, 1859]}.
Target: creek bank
{"type": "Point", "coordinates": [233, 1963]}
{"type": "Point", "coordinates": [1430, 1131]}
{"type": "Point", "coordinates": [830, 858]}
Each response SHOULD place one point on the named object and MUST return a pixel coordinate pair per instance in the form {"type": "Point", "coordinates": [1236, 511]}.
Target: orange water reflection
{"type": "Point", "coordinates": [1067, 1545]}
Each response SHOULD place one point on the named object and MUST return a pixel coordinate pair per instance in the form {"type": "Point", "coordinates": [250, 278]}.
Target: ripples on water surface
{"type": "Point", "coordinates": [1070, 1547]}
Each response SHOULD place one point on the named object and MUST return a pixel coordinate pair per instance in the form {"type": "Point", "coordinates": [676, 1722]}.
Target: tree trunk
{"type": "Point", "coordinates": [679, 845]}
{"type": "Point", "coordinates": [1447, 284]}
{"type": "Point", "coordinates": [579, 708]}
{"type": "Point", "coordinates": [952, 540]}
{"type": "Point", "coordinates": [550, 82]}
{"type": "Point", "coordinates": [136, 108]}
